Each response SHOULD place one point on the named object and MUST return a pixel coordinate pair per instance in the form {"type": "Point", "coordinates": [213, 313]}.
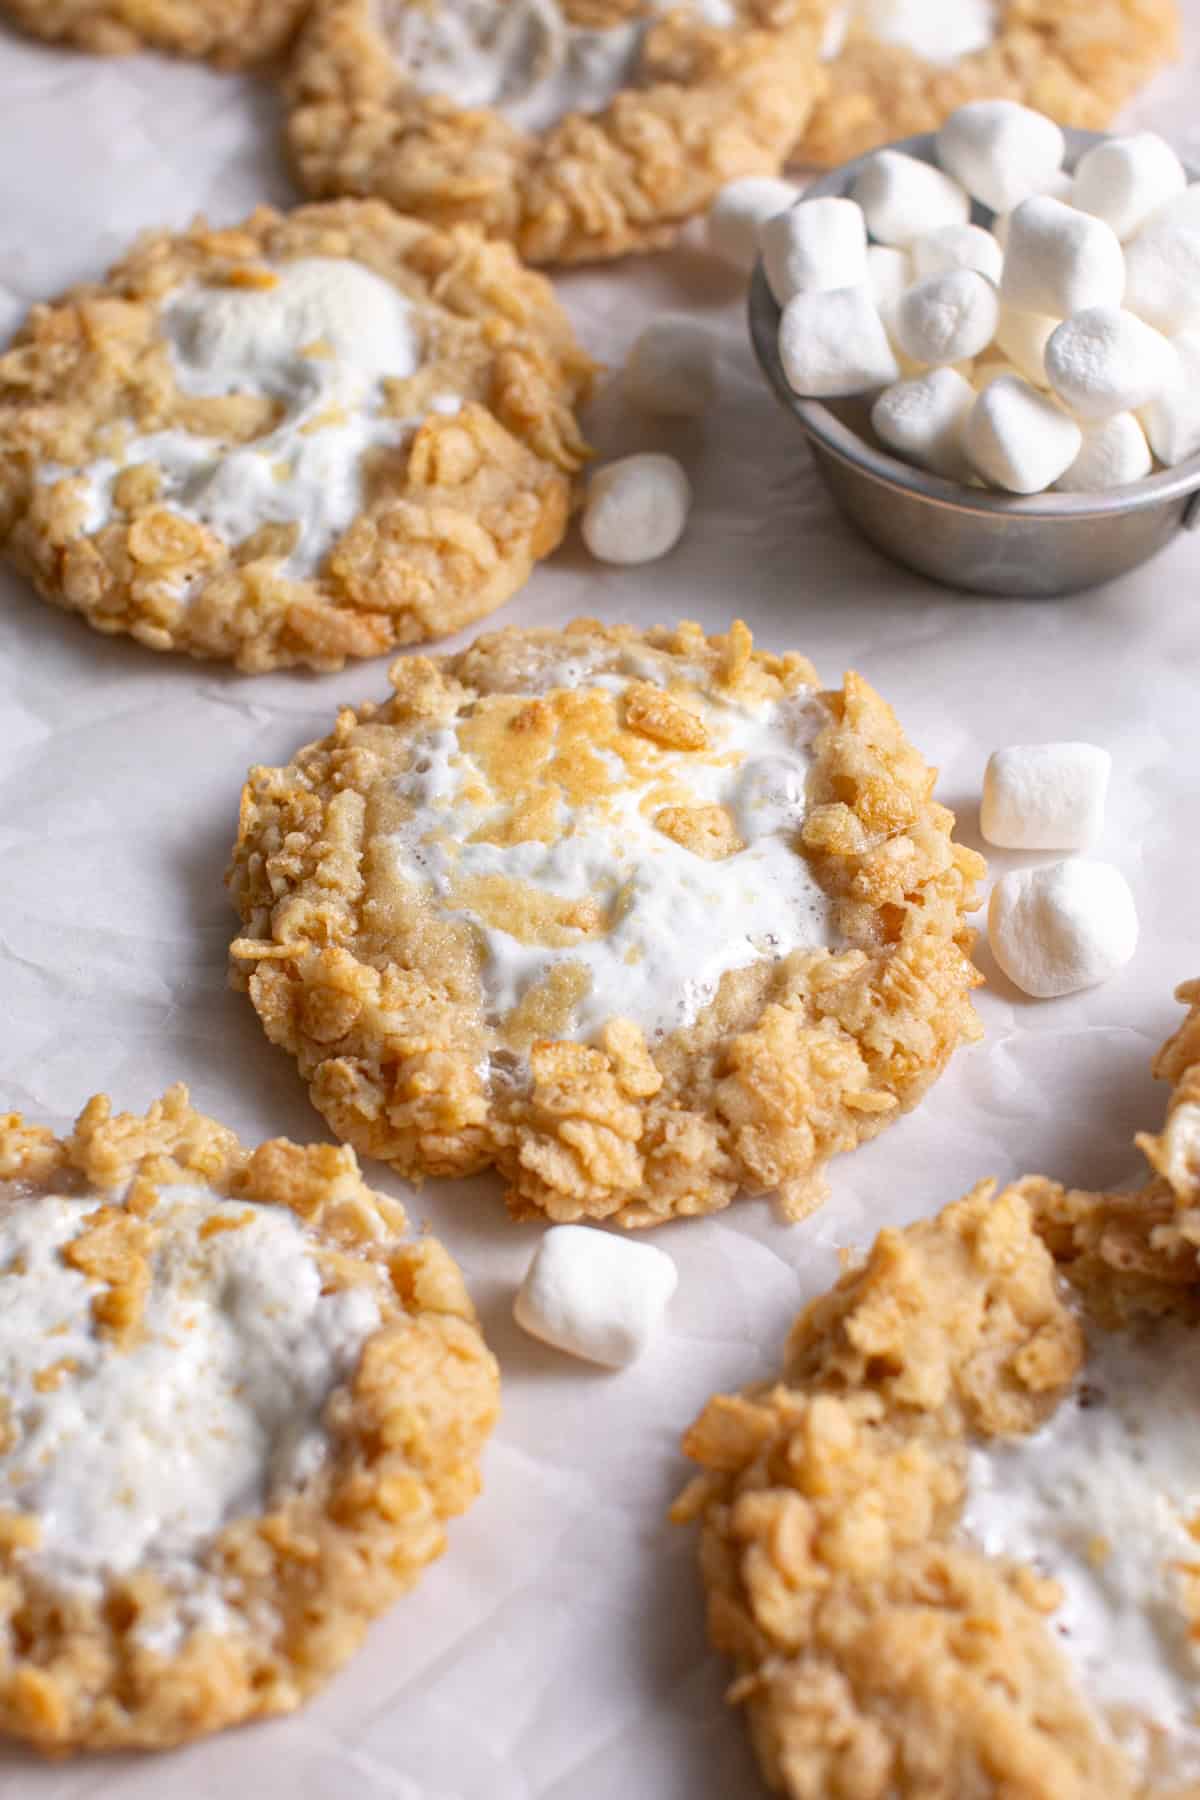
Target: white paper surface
{"type": "Point", "coordinates": [557, 1652]}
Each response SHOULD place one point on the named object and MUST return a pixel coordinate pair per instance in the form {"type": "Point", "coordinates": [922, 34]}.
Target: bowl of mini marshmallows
{"type": "Point", "coordinates": [991, 337]}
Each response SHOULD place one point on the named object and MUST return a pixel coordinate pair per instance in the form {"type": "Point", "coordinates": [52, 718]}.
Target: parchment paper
{"type": "Point", "coordinates": [557, 1652]}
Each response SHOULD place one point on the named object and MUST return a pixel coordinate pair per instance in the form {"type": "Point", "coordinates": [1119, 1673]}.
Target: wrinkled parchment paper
{"type": "Point", "coordinates": [557, 1652]}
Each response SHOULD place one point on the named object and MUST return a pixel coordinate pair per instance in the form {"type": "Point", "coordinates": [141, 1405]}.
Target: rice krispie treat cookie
{"type": "Point", "coordinates": [313, 436]}
{"type": "Point", "coordinates": [640, 919]}
{"type": "Point", "coordinates": [230, 33]}
{"type": "Point", "coordinates": [237, 1404]}
{"type": "Point", "coordinates": [898, 67]}
{"type": "Point", "coordinates": [952, 1549]}
{"type": "Point", "coordinates": [578, 129]}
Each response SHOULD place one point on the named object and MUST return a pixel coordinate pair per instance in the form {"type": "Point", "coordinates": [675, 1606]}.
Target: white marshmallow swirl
{"type": "Point", "coordinates": [939, 31]}
{"type": "Point", "coordinates": [672, 922]}
{"type": "Point", "coordinates": [137, 1456]}
{"type": "Point", "coordinates": [523, 59]}
{"type": "Point", "coordinates": [1105, 1500]}
{"type": "Point", "coordinates": [320, 343]}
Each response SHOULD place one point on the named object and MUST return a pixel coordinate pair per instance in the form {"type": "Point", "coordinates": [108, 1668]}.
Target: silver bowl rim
{"type": "Point", "coordinates": [841, 441]}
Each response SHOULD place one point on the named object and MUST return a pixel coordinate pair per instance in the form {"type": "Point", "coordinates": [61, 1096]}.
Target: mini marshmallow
{"type": "Point", "coordinates": [947, 318]}
{"type": "Point", "coordinates": [957, 247]}
{"type": "Point", "coordinates": [1184, 209]}
{"type": "Point", "coordinates": [1059, 187]}
{"type": "Point", "coordinates": [1104, 361]}
{"type": "Point", "coordinates": [1059, 260]}
{"type": "Point", "coordinates": [1058, 929]}
{"type": "Point", "coordinates": [817, 245]}
{"type": "Point", "coordinates": [904, 199]}
{"type": "Point", "coordinates": [1000, 151]}
{"type": "Point", "coordinates": [636, 509]}
{"type": "Point", "coordinates": [1114, 453]}
{"type": "Point", "coordinates": [1172, 420]}
{"type": "Point", "coordinates": [834, 344]}
{"type": "Point", "coordinates": [1045, 796]}
{"type": "Point", "coordinates": [1019, 439]}
{"type": "Point", "coordinates": [923, 420]}
{"type": "Point", "coordinates": [672, 368]}
{"type": "Point", "coordinates": [595, 1295]}
{"type": "Point", "coordinates": [1023, 337]}
{"type": "Point", "coordinates": [1162, 275]}
{"type": "Point", "coordinates": [889, 274]}
{"type": "Point", "coordinates": [731, 228]}
{"type": "Point", "coordinates": [1127, 179]}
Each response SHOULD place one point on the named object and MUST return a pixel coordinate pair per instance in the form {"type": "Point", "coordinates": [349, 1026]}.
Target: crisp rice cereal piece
{"type": "Point", "coordinates": [177, 463]}
{"type": "Point", "coordinates": [1076, 60]}
{"type": "Point", "coordinates": [230, 33]}
{"type": "Point", "coordinates": [204, 1539]}
{"type": "Point", "coordinates": [898, 1535]}
{"type": "Point", "coordinates": [641, 919]}
{"type": "Point", "coordinates": [692, 106]}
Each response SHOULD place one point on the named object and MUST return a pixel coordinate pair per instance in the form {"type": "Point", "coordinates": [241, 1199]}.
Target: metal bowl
{"type": "Point", "coordinates": [970, 538]}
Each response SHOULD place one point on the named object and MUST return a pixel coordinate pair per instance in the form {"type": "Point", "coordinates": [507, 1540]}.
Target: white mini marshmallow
{"type": "Point", "coordinates": [957, 247]}
{"type": "Point", "coordinates": [817, 245]}
{"type": "Point", "coordinates": [834, 344]}
{"type": "Point", "coordinates": [595, 1295]}
{"type": "Point", "coordinates": [1000, 151]}
{"type": "Point", "coordinates": [1023, 337]}
{"type": "Point", "coordinates": [889, 277]}
{"type": "Point", "coordinates": [1019, 439]}
{"type": "Point", "coordinates": [1184, 209]}
{"type": "Point", "coordinates": [672, 368]}
{"type": "Point", "coordinates": [636, 509]}
{"type": "Point", "coordinates": [1059, 187]}
{"type": "Point", "coordinates": [731, 228]}
{"type": "Point", "coordinates": [947, 318]}
{"type": "Point", "coordinates": [1045, 796]}
{"type": "Point", "coordinates": [1172, 421]}
{"type": "Point", "coordinates": [889, 274]}
{"type": "Point", "coordinates": [1059, 260]}
{"type": "Point", "coordinates": [904, 198]}
{"type": "Point", "coordinates": [923, 420]}
{"type": "Point", "coordinates": [1125, 180]}
{"type": "Point", "coordinates": [1104, 361]}
{"type": "Point", "coordinates": [1061, 928]}
{"type": "Point", "coordinates": [1114, 453]}
{"type": "Point", "coordinates": [1162, 275]}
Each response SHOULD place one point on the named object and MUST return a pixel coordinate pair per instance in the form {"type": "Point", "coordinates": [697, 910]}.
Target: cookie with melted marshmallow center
{"type": "Point", "coordinates": [577, 129]}
{"type": "Point", "coordinates": [952, 1548]}
{"type": "Point", "coordinates": [641, 919]}
{"type": "Point", "coordinates": [237, 1403]}
{"type": "Point", "coordinates": [231, 33]}
{"type": "Point", "coordinates": [899, 67]}
{"type": "Point", "coordinates": [311, 437]}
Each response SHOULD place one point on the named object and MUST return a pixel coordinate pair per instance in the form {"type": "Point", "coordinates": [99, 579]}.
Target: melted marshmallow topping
{"type": "Point", "coordinates": [320, 343]}
{"type": "Point", "coordinates": [1105, 1499]}
{"type": "Point", "coordinates": [939, 31]}
{"type": "Point", "coordinates": [523, 58]}
{"type": "Point", "coordinates": [1181, 1142]}
{"type": "Point", "coordinates": [135, 1454]}
{"type": "Point", "coordinates": [615, 874]}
